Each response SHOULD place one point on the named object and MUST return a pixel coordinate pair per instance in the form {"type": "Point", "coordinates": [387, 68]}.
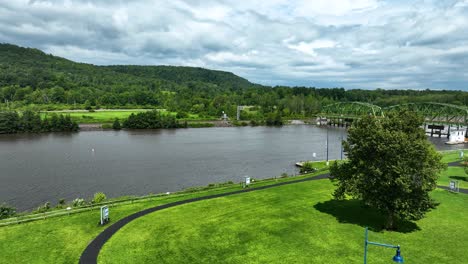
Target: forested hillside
{"type": "Point", "coordinates": [29, 78]}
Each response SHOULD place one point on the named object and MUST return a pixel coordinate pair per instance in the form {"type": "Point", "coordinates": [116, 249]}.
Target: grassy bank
{"type": "Point", "coordinates": [297, 223]}
{"type": "Point", "coordinates": [68, 235]}
{"type": "Point", "coordinates": [109, 115]}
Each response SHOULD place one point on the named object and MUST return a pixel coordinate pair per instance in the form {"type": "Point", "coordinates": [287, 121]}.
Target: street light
{"type": "Point", "coordinates": [341, 146]}
{"type": "Point", "coordinates": [397, 258]}
{"type": "Point", "coordinates": [327, 148]}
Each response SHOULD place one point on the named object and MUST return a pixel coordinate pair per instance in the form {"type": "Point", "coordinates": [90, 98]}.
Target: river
{"type": "Point", "coordinates": [46, 167]}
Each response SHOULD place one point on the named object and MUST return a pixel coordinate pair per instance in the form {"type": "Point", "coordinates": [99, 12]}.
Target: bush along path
{"type": "Point", "coordinates": [91, 253]}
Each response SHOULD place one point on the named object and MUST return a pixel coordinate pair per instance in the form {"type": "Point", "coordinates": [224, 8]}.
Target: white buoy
{"type": "Point", "coordinates": [92, 150]}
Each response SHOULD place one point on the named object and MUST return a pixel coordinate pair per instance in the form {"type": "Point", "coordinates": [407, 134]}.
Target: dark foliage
{"type": "Point", "coordinates": [391, 166]}
{"type": "Point", "coordinates": [6, 211]}
{"type": "Point", "coordinates": [274, 119]}
{"type": "Point", "coordinates": [152, 120]}
{"type": "Point", "coordinates": [116, 125]}
{"type": "Point", "coordinates": [31, 122]}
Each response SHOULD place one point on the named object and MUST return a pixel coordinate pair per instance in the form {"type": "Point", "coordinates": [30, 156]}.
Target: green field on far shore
{"type": "Point", "coordinates": [108, 116]}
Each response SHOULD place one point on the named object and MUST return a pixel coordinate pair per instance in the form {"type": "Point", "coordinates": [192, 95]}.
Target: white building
{"type": "Point", "coordinates": [457, 136]}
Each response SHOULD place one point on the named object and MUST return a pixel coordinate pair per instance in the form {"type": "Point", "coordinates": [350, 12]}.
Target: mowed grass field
{"type": "Point", "coordinates": [62, 239]}
{"type": "Point", "coordinates": [108, 116]}
{"type": "Point", "coordinates": [97, 117]}
{"type": "Point", "coordinates": [297, 223]}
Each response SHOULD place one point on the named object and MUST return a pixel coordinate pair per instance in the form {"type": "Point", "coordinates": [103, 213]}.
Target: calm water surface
{"type": "Point", "coordinates": [39, 168]}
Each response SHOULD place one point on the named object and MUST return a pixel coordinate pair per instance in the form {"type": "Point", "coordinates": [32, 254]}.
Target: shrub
{"type": "Point", "coordinates": [99, 197]}
{"type": "Point", "coordinates": [284, 175]}
{"type": "Point", "coordinates": [116, 125]}
{"type": "Point", "coordinates": [44, 208]}
{"type": "Point", "coordinates": [181, 114]}
{"type": "Point", "coordinates": [78, 202]}
{"type": "Point", "coordinates": [61, 203]}
{"type": "Point", "coordinates": [308, 167]}
{"type": "Point", "coordinates": [6, 211]}
{"type": "Point", "coordinates": [253, 123]}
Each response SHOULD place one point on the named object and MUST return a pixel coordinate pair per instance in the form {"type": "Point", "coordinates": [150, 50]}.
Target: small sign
{"type": "Point", "coordinates": [454, 187]}
{"type": "Point", "coordinates": [246, 181]}
{"type": "Point", "coordinates": [104, 214]}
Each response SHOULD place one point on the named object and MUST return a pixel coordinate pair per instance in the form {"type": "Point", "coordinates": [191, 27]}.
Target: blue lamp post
{"type": "Point", "coordinates": [397, 258]}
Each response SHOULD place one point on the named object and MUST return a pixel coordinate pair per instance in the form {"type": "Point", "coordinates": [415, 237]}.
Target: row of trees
{"type": "Point", "coordinates": [150, 120]}
{"type": "Point", "coordinates": [30, 122]}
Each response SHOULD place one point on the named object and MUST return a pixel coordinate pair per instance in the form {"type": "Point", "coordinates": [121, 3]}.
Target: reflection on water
{"type": "Point", "coordinates": [47, 167]}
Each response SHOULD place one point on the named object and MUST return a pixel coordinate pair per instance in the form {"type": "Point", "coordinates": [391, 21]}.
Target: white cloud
{"type": "Point", "coordinates": [351, 43]}
{"type": "Point", "coordinates": [309, 48]}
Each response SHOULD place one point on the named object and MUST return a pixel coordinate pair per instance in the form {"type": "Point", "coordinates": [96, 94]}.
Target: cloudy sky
{"type": "Point", "coordinates": [331, 43]}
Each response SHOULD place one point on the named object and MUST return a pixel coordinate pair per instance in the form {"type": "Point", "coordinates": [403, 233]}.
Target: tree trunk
{"type": "Point", "coordinates": [390, 221]}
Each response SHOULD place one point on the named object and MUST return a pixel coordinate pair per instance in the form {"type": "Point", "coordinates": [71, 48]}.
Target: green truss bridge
{"type": "Point", "coordinates": [439, 114]}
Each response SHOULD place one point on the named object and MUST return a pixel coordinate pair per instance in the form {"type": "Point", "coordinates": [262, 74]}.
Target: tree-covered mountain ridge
{"type": "Point", "coordinates": [18, 63]}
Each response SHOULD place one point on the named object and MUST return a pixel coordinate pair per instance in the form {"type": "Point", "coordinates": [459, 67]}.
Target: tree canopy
{"type": "Point", "coordinates": [391, 166]}
{"type": "Point", "coordinates": [30, 122]}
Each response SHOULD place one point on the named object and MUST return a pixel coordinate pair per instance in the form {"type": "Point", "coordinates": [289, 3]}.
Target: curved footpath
{"type": "Point", "coordinates": [91, 253]}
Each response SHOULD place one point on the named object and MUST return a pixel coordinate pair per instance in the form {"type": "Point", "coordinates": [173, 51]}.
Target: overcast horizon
{"type": "Point", "coordinates": [364, 44]}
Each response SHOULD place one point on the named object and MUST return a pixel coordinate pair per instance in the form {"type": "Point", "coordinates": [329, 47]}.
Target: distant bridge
{"type": "Point", "coordinates": [343, 113]}
{"type": "Point", "coordinates": [438, 113]}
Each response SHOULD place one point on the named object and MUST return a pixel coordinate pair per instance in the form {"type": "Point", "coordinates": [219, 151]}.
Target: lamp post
{"type": "Point", "coordinates": [327, 148]}
{"type": "Point", "coordinates": [341, 146]}
{"type": "Point", "coordinates": [397, 258]}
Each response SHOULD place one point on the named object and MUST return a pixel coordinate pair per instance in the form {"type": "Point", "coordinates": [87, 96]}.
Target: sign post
{"type": "Point", "coordinates": [104, 215]}
{"type": "Point", "coordinates": [454, 186]}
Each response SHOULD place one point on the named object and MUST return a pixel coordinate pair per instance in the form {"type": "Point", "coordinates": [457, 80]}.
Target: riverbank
{"type": "Point", "coordinates": [320, 169]}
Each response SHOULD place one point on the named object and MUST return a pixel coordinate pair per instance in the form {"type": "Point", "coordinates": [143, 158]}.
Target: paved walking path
{"type": "Point", "coordinates": [455, 164]}
{"type": "Point", "coordinates": [90, 254]}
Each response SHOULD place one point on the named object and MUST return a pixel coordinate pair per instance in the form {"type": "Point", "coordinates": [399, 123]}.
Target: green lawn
{"type": "Point", "coordinates": [454, 173]}
{"type": "Point", "coordinates": [296, 223]}
{"type": "Point", "coordinates": [450, 156]}
{"type": "Point", "coordinates": [62, 239]}
{"type": "Point", "coordinates": [98, 117]}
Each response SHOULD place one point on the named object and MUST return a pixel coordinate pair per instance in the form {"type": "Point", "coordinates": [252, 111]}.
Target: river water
{"type": "Point", "coordinates": [39, 168]}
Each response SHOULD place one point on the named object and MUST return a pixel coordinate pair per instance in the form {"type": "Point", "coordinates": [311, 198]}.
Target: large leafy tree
{"type": "Point", "coordinates": [391, 166]}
